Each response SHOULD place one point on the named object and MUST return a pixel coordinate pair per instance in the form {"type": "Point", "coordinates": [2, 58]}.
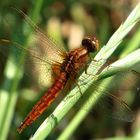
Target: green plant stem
{"type": "Point", "coordinates": [13, 74]}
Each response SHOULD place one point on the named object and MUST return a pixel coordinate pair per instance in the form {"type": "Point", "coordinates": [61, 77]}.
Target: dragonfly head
{"type": "Point", "coordinates": [90, 43]}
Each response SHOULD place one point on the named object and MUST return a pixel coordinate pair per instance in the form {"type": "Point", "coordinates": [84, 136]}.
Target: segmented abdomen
{"type": "Point", "coordinates": [45, 101]}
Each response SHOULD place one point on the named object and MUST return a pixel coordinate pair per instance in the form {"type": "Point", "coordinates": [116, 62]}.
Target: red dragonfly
{"type": "Point", "coordinates": [65, 66]}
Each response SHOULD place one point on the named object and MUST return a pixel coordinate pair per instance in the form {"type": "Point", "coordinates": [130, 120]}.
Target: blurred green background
{"type": "Point", "coordinates": [67, 22]}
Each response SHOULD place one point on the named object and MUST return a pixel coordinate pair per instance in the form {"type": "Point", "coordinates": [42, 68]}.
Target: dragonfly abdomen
{"type": "Point", "coordinates": [45, 101]}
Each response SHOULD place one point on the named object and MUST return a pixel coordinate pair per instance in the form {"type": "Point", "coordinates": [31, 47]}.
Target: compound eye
{"type": "Point", "coordinates": [90, 43]}
{"type": "Point", "coordinates": [86, 42]}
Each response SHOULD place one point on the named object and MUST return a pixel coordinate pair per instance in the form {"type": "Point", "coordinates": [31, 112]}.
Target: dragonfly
{"type": "Point", "coordinates": [64, 65]}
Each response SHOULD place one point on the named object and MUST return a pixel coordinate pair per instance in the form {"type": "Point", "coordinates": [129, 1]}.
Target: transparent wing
{"type": "Point", "coordinates": [112, 100]}
{"type": "Point", "coordinates": [41, 55]}
{"type": "Point", "coordinates": [34, 64]}
{"type": "Point", "coordinates": [37, 66]}
{"type": "Point", "coordinates": [50, 48]}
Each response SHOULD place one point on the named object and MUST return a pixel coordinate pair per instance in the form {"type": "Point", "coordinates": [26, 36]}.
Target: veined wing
{"type": "Point", "coordinates": [42, 55]}
{"type": "Point", "coordinates": [52, 50]}
{"type": "Point", "coordinates": [110, 104]}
